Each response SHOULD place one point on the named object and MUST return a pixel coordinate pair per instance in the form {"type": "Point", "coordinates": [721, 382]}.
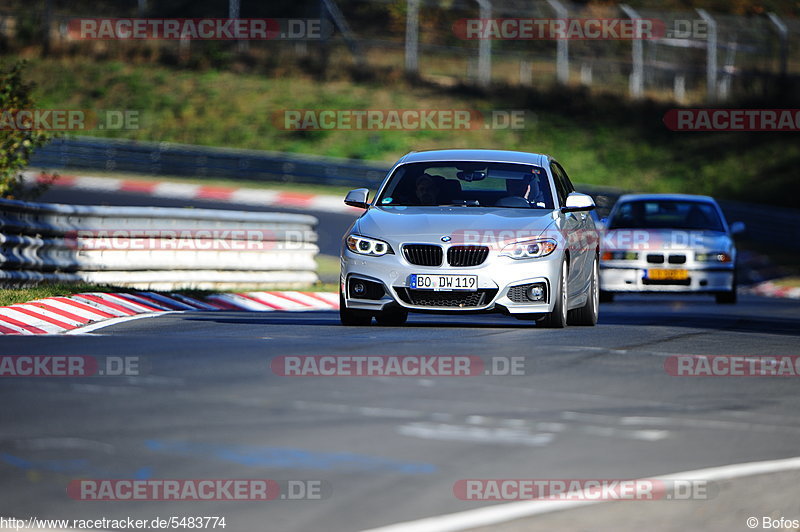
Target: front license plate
{"type": "Point", "coordinates": [667, 275]}
{"type": "Point", "coordinates": [444, 282]}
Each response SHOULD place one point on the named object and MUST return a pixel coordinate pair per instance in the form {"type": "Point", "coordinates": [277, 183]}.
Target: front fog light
{"type": "Point", "coordinates": [535, 292]}
{"type": "Point", "coordinates": [359, 288]}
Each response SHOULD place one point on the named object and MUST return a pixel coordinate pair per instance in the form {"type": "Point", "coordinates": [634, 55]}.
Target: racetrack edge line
{"type": "Point", "coordinates": [121, 319]}
{"type": "Point", "coordinates": [501, 513]}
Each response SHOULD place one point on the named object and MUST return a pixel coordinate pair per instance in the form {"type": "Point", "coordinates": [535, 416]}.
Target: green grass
{"type": "Point", "coordinates": [600, 139]}
{"type": "Point", "coordinates": [328, 267]}
{"type": "Point", "coordinates": [11, 296]}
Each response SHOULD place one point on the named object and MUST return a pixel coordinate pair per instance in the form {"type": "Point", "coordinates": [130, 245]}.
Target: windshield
{"type": "Point", "coordinates": [472, 184]}
{"type": "Point", "coordinates": [666, 214]}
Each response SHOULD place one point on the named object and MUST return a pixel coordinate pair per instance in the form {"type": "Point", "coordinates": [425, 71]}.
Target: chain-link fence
{"type": "Point", "coordinates": [692, 57]}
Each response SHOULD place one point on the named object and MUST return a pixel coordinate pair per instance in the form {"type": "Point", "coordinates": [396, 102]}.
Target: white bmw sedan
{"type": "Point", "coordinates": [674, 243]}
{"type": "Point", "coordinates": [471, 231]}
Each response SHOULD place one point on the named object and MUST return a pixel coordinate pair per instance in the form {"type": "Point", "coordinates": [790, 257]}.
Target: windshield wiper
{"type": "Point", "coordinates": [462, 203]}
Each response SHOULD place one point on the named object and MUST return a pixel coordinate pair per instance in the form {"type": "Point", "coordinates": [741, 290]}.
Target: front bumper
{"type": "Point", "coordinates": [709, 279]}
{"type": "Point", "coordinates": [497, 276]}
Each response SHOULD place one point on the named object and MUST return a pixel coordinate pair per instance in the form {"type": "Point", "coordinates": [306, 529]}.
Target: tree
{"type": "Point", "coordinates": [17, 144]}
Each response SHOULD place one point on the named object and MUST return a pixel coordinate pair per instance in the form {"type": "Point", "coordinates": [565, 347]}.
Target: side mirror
{"type": "Point", "coordinates": [737, 227]}
{"type": "Point", "coordinates": [357, 198]}
{"type": "Point", "coordinates": [578, 202]}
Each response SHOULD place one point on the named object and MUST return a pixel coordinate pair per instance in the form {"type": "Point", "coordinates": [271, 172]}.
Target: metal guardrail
{"type": "Point", "coordinates": [154, 247]}
{"type": "Point", "coordinates": [765, 224]}
{"type": "Point", "coordinates": [163, 158]}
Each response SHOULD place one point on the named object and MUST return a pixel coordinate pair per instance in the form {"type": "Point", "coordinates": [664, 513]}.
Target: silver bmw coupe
{"type": "Point", "coordinates": [471, 231]}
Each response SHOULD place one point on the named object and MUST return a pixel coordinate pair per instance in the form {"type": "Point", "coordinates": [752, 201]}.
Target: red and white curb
{"type": "Point", "coordinates": [770, 289]}
{"type": "Point", "coordinates": [167, 189]}
{"type": "Point", "coordinates": [54, 315]}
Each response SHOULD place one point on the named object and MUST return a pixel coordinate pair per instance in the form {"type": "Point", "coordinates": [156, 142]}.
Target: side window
{"type": "Point", "coordinates": [561, 187]}
{"type": "Point", "coordinates": [570, 186]}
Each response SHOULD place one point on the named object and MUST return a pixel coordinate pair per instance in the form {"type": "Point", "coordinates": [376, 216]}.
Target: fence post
{"type": "Point", "coordinates": [349, 37]}
{"type": "Point", "coordinates": [636, 81]}
{"type": "Point", "coordinates": [525, 74]}
{"type": "Point", "coordinates": [586, 74]}
{"type": "Point", "coordinates": [485, 47]}
{"type": "Point", "coordinates": [783, 35]}
{"type": "Point", "coordinates": [412, 36]}
{"type": "Point", "coordinates": [46, 20]}
{"type": "Point", "coordinates": [562, 50]}
{"type": "Point", "coordinates": [711, 55]}
{"type": "Point", "coordinates": [233, 13]}
{"type": "Point", "coordinates": [679, 88]}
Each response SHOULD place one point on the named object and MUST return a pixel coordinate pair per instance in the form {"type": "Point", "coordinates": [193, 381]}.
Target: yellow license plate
{"type": "Point", "coordinates": [667, 275]}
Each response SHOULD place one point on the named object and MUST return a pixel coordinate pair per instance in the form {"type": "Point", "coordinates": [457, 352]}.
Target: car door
{"type": "Point", "coordinates": [575, 225]}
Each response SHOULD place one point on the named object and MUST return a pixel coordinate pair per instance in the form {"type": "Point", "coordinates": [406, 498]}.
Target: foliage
{"type": "Point", "coordinates": [16, 144]}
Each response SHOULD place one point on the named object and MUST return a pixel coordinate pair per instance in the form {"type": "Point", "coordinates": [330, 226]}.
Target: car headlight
{"type": "Point", "coordinates": [529, 249]}
{"type": "Point", "coordinates": [619, 255]}
{"type": "Point", "coordinates": [715, 256]}
{"type": "Point", "coordinates": [368, 246]}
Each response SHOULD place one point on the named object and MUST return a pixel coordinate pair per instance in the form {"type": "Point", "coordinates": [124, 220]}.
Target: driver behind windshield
{"type": "Point", "coordinates": [518, 187]}
{"type": "Point", "coordinates": [528, 188]}
{"type": "Point", "coordinates": [427, 189]}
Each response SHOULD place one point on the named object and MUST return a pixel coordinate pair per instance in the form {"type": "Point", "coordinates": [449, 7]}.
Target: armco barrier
{"type": "Point", "coordinates": [163, 158]}
{"type": "Point", "coordinates": [154, 247]}
{"type": "Point", "coordinates": [765, 224]}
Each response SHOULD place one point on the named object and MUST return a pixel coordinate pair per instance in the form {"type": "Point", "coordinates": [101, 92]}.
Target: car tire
{"type": "Point", "coordinates": [728, 298]}
{"type": "Point", "coordinates": [606, 297]}
{"type": "Point", "coordinates": [392, 318]}
{"type": "Point", "coordinates": [587, 315]}
{"type": "Point", "coordinates": [558, 318]}
{"type": "Point", "coordinates": [353, 317]}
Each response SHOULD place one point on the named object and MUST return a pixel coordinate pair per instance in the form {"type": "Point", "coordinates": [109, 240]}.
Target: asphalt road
{"type": "Point", "coordinates": [594, 403]}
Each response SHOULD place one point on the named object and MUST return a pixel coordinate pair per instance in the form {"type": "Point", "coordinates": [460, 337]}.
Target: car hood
{"type": "Point", "coordinates": [461, 224]}
{"type": "Point", "coordinates": [665, 239]}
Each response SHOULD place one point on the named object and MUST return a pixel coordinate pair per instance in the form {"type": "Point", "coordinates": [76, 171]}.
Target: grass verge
{"type": "Point", "coordinates": [601, 139]}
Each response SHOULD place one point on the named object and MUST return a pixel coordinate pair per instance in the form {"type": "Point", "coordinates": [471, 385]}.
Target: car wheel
{"type": "Point", "coordinates": [587, 314]}
{"type": "Point", "coordinates": [728, 298]}
{"type": "Point", "coordinates": [558, 318]}
{"type": "Point", "coordinates": [353, 317]}
{"type": "Point", "coordinates": [392, 318]}
{"type": "Point", "coordinates": [606, 297]}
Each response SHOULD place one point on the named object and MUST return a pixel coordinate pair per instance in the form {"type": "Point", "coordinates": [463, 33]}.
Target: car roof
{"type": "Point", "coordinates": [677, 197]}
{"type": "Point", "coordinates": [503, 156]}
